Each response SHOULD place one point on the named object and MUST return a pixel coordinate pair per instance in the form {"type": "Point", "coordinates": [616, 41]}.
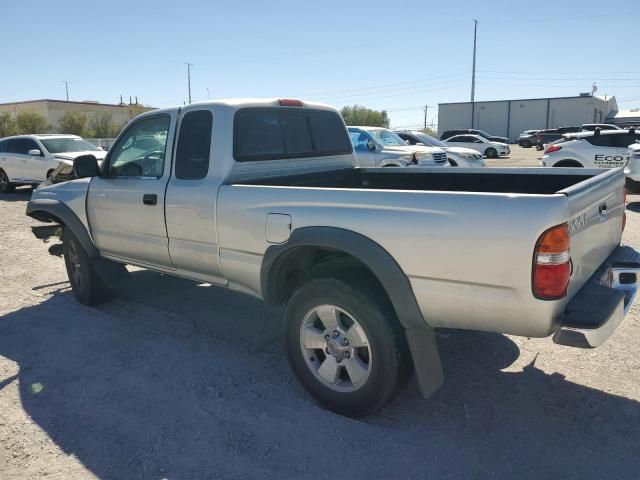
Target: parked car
{"type": "Point", "coordinates": [30, 159]}
{"type": "Point", "coordinates": [380, 147]}
{"type": "Point", "coordinates": [367, 261]}
{"type": "Point", "coordinates": [486, 147]}
{"type": "Point", "coordinates": [461, 131]}
{"type": "Point", "coordinates": [632, 170]}
{"type": "Point", "coordinates": [528, 138]}
{"type": "Point", "coordinates": [599, 149]}
{"type": "Point", "coordinates": [458, 156]}
{"type": "Point", "coordinates": [590, 127]}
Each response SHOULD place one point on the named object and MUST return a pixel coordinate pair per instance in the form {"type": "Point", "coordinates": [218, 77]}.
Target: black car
{"type": "Point", "coordinates": [472, 131]}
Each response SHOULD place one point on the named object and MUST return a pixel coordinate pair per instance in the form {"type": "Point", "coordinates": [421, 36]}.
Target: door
{"type": "Point", "coordinates": [191, 200]}
{"type": "Point", "coordinates": [605, 152]}
{"type": "Point", "coordinates": [17, 166]}
{"type": "Point", "coordinates": [125, 206]}
{"type": "Point", "coordinates": [360, 141]}
{"type": "Point", "coordinates": [34, 166]}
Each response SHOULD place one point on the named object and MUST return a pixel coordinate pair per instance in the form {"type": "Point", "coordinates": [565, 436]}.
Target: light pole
{"type": "Point", "coordinates": [66, 86]}
{"type": "Point", "coordinates": [189, 65]}
{"type": "Point", "coordinates": [473, 71]}
{"type": "Point", "coordinates": [426, 107]}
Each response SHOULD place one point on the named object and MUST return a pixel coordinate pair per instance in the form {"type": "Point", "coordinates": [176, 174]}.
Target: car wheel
{"type": "Point", "coordinates": [632, 186]}
{"type": "Point", "coordinates": [491, 152]}
{"type": "Point", "coordinates": [526, 144]}
{"type": "Point", "coordinates": [87, 286]}
{"type": "Point", "coordinates": [5, 185]}
{"type": "Point", "coordinates": [345, 346]}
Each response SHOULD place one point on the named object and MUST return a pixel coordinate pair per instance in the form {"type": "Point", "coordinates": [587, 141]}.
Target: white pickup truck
{"type": "Point", "coordinates": [261, 196]}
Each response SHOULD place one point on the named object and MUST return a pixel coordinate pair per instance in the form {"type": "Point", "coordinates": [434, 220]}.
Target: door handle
{"type": "Point", "coordinates": [150, 199]}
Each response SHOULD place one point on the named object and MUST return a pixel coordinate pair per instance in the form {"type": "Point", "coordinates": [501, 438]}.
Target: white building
{"type": "Point", "coordinates": [509, 118]}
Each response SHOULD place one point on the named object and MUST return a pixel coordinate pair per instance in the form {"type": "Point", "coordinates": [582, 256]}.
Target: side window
{"type": "Point", "coordinates": [601, 140]}
{"type": "Point", "coordinates": [359, 140]}
{"type": "Point", "coordinates": [194, 145]}
{"type": "Point", "coordinates": [18, 145]}
{"type": "Point", "coordinates": [405, 137]}
{"type": "Point", "coordinates": [31, 145]}
{"type": "Point", "coordinates": [3, 146]}
{"type": "Point", "coordinates": [623, 140]}
{"type": "Point", "coordinates": [140, 151]}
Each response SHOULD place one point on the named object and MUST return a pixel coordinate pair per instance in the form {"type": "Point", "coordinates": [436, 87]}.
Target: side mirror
{"type": "Point", "coordinates": [371, 146]}
{"type": "Point", "coordinates": [85, 166]}
{"type": "Point", "coordinates": [35, 152]}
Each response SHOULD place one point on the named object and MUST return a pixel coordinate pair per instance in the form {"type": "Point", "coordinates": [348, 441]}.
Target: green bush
{"type": "Point", "coordinates": [73, 123]}
{"type": "Point", "coordinates": [359, 115]}
{"type": "Point", "coordinates": [31, 122]}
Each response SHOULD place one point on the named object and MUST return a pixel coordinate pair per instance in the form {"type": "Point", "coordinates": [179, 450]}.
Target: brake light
{"type": "Point", "coordinates": [290, 102]}
{"type": "Point", "coordinates": [552, 264]}
{"type": "Point", "coordinates": [553, 148]}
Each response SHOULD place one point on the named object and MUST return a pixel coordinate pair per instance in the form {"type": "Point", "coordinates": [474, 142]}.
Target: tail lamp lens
{"type": "Point", "coordinates": [552, 264]}
{"type": "Point", "coordinates": [553, 148]}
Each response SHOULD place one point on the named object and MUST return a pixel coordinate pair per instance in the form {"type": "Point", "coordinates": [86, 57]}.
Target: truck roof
{"type": "Point", "coordinates": [238, 103]}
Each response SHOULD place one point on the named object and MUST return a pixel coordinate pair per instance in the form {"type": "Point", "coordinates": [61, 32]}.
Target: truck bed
{"type": "Point", "coordinates": [499, 180]}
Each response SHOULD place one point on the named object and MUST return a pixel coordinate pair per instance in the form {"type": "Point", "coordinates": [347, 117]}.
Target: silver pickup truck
{"type": "Point", "coordinates": [261, 196]}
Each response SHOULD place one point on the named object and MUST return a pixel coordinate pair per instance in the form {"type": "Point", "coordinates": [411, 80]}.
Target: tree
{"type": "Point", "coordinates": [102, 126]}
{"type": "Point", "coordinates": [31, 122]}
{"type": "Point", "coordinates": [7, 125]}
{"type": "Point", "coordinates": [136, 109]}
{"type": "Point", "coordinates": [359, 115]}
{"type": "Point", "coordinates": [74, 123]}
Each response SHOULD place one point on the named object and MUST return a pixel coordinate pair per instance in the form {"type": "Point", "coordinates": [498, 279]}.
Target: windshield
{"type": "Point", "coordinates": [430, 141]}
{"type": "Point", "coordinates": [387, 137]}
{"type": "Point", "coordinates": [68, 144]}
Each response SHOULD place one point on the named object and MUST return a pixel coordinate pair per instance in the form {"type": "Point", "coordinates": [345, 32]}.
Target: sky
{"type": "Point", "coordinates": [395, 55]}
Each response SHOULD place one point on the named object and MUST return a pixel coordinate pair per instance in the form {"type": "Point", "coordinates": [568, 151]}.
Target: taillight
{"type": "Point", "coordinates": [290, 102]}
{"type": "Point", "coordinates": [553, 148]}
{"type": "Point", "coordinates": [552, 264]}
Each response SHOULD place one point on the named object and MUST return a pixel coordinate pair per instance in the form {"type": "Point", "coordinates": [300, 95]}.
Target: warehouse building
{"type": "Point", "coordinates": [509, 118]}
{"type": "Point", "coordinates": [54, 110]}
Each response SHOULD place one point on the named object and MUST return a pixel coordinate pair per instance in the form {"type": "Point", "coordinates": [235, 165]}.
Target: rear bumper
{"type": "Point", "coordinates": [595, 312]}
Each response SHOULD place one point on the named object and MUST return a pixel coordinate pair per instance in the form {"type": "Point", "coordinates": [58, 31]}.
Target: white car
{"type": "Point", "coordinates": [458, 156]}
{"type": "Point", "coordinates": [30, 159]}
{"type": "Point", "coordinates": [599, 149]}
{"type": "Point", "coordinates": [475, 142]}
{"type": "Point", "coordinates": [632, 170]}
{"type": "Point", "coordinates": [381, 147]}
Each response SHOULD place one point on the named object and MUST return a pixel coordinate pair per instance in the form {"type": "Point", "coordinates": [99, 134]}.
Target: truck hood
{"type": "Point", "coordinates": [412, 149]}
{"type": "Point", "coordinates": [462, 151]}
{"type": "Point", "coordinates": [68, 157]}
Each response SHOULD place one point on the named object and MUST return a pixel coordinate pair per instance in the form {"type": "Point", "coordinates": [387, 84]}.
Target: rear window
{"type": "Point", "coordinates": [280, 133]}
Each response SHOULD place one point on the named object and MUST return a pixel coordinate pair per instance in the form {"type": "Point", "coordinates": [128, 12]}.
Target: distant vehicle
{"type": "Point", "coordinates": [30, 159]}
{"type": "Point", "coordinates": [458, 156]}
{"type": "Point", "coordinates": [476, 142]}
{"type": "Point", "coordinates": [381, 147]}
{"type": "Point", "coordinates": [590, 127]}
{"type": "Point", "coordinates": [606, 149]}
{"type": "Point", "coordinates": [528, 138]}
{"type": "Point", "coordinates": [632, 170]}
{"type": "Point", "coordinates": [461, 131]}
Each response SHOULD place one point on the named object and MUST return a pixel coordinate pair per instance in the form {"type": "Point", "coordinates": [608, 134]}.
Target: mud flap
{"type": "Point", "coordinates": [426, 359]}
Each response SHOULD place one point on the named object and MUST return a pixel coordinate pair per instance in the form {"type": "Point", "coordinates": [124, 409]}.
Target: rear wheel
{"type": "Point", "coordinates": [345, 346]}
{"type": "Point", "coordinates": [526, 144]}
{"type": "Point", "coordinates": [5, 185]}
{"type": "Point", "coordinates": [491, 152]}
{"type": "Point", "coordinates": [87, 286]}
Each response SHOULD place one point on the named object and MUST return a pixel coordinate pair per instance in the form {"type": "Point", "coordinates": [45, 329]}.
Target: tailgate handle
{"type": "Point", "coordinates": [602, 209]}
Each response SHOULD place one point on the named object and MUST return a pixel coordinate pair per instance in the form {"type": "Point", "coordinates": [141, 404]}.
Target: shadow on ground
{"type": "Point", "coordinates": [191, 382]}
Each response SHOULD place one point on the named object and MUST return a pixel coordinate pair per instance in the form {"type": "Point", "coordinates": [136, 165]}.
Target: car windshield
{"type": "Point", "coordinates": [387, 137]}
{"type": "Point", "coordinates": [430, 141]}
{"type": "Point", "coordinates": [68, 144]}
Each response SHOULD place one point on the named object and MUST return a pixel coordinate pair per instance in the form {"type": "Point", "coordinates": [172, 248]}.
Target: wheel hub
{"type": "Point", "coordinates": [336, 349]}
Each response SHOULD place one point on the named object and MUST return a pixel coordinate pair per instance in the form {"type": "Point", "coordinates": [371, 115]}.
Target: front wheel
{"type": "Point", "coordinates": [87, 286]}
{"type": "Point", "coordinates": [491, 152]}
{"type": "Point", "coordinates": [345, 346]}
{"type": "Point", "coordinates": [526, 144]}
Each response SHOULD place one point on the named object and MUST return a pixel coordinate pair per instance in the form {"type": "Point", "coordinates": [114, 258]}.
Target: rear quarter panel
{"type": "Point", "coordinates": [467, 255]}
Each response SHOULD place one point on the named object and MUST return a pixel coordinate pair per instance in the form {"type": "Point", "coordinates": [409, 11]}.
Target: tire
{"type": "Point", "coordinates": [491, 152]}
{"type": "Point", "coordinates": [568, 163]}
{"type": "Point", "coordinates": [632, 186]}
{"type": "Point", "coordinates": [320, 317]}
{"type": "Point", "coordinates": [526, 144]}
{"type": "Point", "coordinates": [5, 185]}
{"type": "Point", "coordinates": [453, 163]}
{"type": "Point", "coordinates": [87, 286]}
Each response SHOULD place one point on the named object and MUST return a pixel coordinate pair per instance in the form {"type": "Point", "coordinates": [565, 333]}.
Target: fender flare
{"type": "Point", "coordinates": [420, 336]}
{"type": "Point", "coordinates": [50, 210]}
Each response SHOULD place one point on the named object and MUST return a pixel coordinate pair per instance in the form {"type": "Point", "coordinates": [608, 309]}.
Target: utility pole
{"type": "Point", "coordinates": [426, 107]}
{"type": "Point", "coordinates": [473, 71]}
{"type": "Point", "coordinates": [208, 94]}
{"type": "Point", "coordinates": [189, 65]}
{"type": "Point", "coordinates": [66, 86]}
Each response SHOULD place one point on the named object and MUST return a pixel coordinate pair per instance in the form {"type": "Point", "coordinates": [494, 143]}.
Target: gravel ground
{"type": "Point", "coordinates": [179, 381]}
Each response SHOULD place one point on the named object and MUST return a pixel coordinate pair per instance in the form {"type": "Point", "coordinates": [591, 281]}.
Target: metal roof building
{"type": "Point", "coordinates": [509, 118]}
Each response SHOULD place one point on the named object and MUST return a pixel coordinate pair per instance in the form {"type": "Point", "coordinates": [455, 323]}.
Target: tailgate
{"type": "Point", "coordinates": [596, 210]}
